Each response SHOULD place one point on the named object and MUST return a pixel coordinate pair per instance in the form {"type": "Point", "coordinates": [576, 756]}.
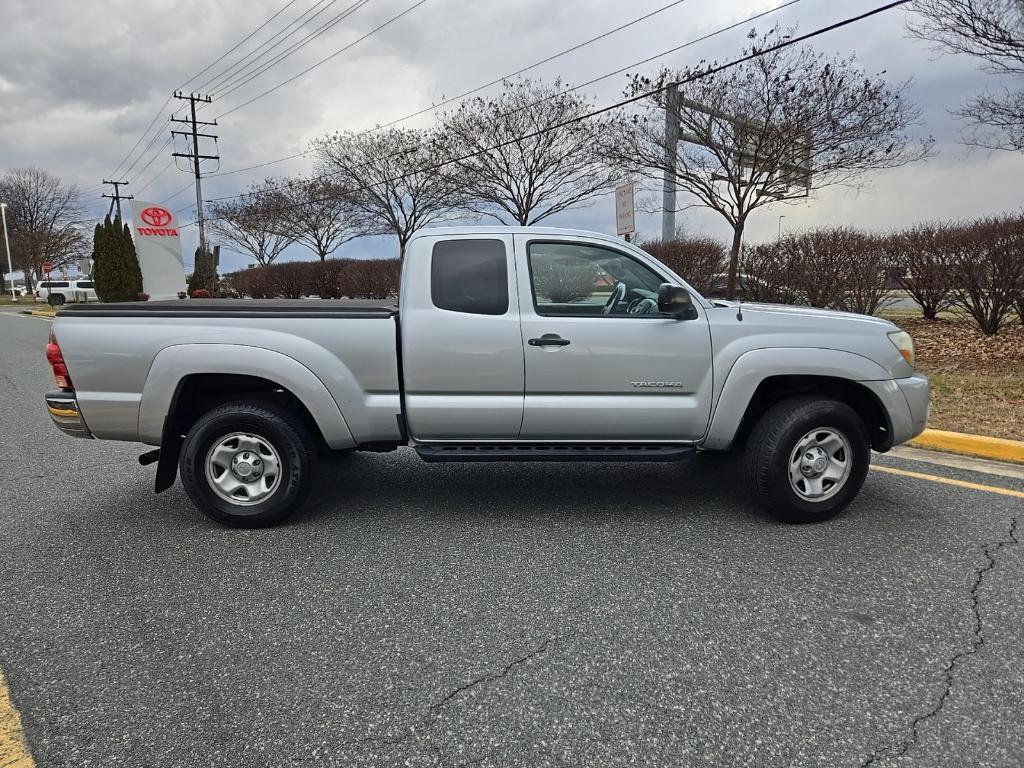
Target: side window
{"type": "Point", "coordinates": [85, 284]}
{"type": "Point", "coordinates": [578, 280]}
{"type": "Point", "coordinates": [470, 276]}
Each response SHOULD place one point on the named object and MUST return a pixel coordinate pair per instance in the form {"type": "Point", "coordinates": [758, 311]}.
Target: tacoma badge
{"type": "Point", "coordinates": [656, 384]}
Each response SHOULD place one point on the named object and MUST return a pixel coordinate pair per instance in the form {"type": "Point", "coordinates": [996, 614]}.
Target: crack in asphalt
{"type": "Point", "coordinates": [989, 551]}
{"type": "Point", "coordinates": [490, 678]}
{"type": "Point", "coordinates": [441, 703]}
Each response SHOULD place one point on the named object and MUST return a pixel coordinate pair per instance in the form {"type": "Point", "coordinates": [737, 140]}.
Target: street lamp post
{"type": "Point", "coordinates": [7, 245]}
{"type": "Point", "coordinates": [781, 217]}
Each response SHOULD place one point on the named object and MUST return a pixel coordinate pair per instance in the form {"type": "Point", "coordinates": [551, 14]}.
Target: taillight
{"type": "Point", "coordinates": [56, 360]}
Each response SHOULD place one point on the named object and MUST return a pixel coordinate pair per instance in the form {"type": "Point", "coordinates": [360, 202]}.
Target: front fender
{"type": "Point", "coordinates": [753, 367]}
{"type": "Point", "coordinates": [174, 363]}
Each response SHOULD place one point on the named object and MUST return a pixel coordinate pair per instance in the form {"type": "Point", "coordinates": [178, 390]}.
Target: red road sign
{"type": "Point", "coordinates": [47, 267]}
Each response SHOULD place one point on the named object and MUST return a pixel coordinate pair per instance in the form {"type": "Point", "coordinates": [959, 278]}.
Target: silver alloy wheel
{"type": "Point", "coordinates": [820, 464]}
{"type": "Point", "coordinates": [243, 468]}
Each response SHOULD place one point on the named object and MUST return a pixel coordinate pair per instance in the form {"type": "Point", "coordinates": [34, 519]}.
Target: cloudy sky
{"type": "Point", "coordinates": [81, 81]}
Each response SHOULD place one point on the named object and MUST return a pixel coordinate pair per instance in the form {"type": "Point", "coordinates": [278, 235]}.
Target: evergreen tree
{"type": "Point", "coordinates": [129, 258]}
{"type": "Point", "coordinates": [116, 271]}
{"type": "Point", "coordinates": [102, 260]}
{"type": "Point", "coordinates": [204, 275]}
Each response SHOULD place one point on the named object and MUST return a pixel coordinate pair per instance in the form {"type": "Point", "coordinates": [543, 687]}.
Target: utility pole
{"type": "Point", "coordinates": [7, 245]}
{"type": "Point", "coordinates": [117, 197]}
{"type": "Point", "coordinates": [668, 195]}
{"type": "Point", "coordinates": [194, 155]}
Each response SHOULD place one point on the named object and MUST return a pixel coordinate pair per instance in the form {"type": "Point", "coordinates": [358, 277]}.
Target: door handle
{"type": "Point", "coordinates": [549, 340]}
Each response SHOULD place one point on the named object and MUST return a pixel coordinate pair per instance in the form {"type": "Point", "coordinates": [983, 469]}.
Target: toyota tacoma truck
{"type": "Point", "coordinates": [506, 344]}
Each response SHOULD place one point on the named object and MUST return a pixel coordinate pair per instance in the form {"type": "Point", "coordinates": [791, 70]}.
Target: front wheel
{"type": "Point", "coordinates": [56, 299]}
{"type": "Point", "coordinates": [246, 464]}
{"type": "Point", "coordinates": [806, 459]}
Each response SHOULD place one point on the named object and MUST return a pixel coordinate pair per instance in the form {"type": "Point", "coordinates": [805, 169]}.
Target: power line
{"type": "Point", "coordinates": [707, 72]}
{"type": "Point", "coordinates": [619, 71]}
{"type": "Point", "coordinates": [324, 60]}
{"type": "Point", "coordinates": [508, 76]}
{"type": "Point", "coordinates": [169, 98]}
{"type": "Point", "coordinates": [237, 82]}
{"type": "Point", "coordinates": [294, 25]}
{"type": "Point", "coordinates": [238, 45]}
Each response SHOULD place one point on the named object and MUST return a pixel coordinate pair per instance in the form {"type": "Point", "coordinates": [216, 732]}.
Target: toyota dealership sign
{"type": "Point", "coordinates": [158, 244]}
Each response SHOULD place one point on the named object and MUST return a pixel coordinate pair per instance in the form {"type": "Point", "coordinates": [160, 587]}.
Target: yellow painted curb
{"type": "Point", "coordinates": [13, 749]}
{"type": "Point", "coordinates": [995, 448]}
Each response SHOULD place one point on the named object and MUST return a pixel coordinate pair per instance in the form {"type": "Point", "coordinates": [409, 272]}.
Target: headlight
{"type": "Point", "coordinates": [902, 341]}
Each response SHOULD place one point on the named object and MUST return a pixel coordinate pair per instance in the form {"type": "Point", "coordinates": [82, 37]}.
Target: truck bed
{"type": "Point", "coordinates": [264, 308]}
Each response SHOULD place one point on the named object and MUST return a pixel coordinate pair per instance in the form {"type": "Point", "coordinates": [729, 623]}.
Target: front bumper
{"type": "Point", "coordinates": [63, 409]}
{"type": "Point", "coordinates": [906, 404]}
{"type": "Point", "coordinates": [918, 394]}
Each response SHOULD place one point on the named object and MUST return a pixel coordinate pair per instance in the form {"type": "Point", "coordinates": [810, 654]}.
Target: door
{"type": "Point", "coordinates": [462, 349]}
{"type": "Point", "coordinates": [602, 364]}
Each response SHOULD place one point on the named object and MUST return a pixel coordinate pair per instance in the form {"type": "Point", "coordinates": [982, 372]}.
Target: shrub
{"type": "Point", "coordinates": [835, 267]}
{"type": "Point", "coordinates": [200, 293]}
{"type": "Point", "coordinates": [987, 257]}
{"type": "Point", "coordinates": [696, 259]}
{"type": "Point", "coordinates": [290, 279]}
{"type": "Point", "coordinates": [331, 279]}
{"type": "Point", "coordinates": [925, 269]}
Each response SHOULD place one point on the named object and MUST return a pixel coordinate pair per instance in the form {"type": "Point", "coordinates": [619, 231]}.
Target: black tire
{"type": "Point", "coordinates": [286, 436]}
{"type": "Point", "coordinates": [773, 444]}
{"type": "Point", "coordinates": [56, 299]}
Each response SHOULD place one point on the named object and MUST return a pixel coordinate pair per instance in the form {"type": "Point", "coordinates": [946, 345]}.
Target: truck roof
{"type": "Point", "coordinates": [503, 229]}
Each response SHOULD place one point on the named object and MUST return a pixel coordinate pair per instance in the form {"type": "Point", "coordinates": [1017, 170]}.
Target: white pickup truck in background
{"type": "Point", "coordinates": [508, 344]}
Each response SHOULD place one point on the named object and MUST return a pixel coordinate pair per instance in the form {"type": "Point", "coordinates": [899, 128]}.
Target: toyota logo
{"type": "Point", "coordinates": [156, 216]}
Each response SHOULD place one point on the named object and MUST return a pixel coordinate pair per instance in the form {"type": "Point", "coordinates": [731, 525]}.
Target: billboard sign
{"type": "Point", "coordinates": [625, 221]}
{"type": "Point", "coordinates": [155, 230]}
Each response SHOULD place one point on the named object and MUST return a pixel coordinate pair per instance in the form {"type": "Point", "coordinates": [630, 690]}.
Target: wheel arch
{"type": "Point", "coordinates": [755, 383]}
{"type": "Point", "coordinates": [186, 381]}
{"type": "Point", "coordinates": [774, 389]}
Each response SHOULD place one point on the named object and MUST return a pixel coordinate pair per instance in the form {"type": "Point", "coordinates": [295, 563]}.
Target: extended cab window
{"type": "Point", "coordinates": [577, 280]}
{"type": "Point", "coordinates": [469, 276]}
{"type": "Point", "coordinates": [85, 284]}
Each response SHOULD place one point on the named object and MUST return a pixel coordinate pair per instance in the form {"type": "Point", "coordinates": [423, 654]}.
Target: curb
{"type": "Point", "coordinates": [995, 448]}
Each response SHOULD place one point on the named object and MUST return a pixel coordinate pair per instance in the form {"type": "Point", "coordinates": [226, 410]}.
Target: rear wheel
{"type": "Point", "coordinates": [806, 459]}
{"type": "Point", "coordinates": [246, 464]}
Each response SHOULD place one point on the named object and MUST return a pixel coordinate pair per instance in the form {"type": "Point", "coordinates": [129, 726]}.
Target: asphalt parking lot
{"type": "Point", "coordinates": [499, 615]}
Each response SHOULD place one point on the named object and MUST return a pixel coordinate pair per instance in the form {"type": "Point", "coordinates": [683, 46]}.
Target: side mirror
{"type": "Point", "coordinates": [675, 301]}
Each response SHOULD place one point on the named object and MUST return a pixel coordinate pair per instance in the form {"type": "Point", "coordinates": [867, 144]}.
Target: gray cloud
{"type": "Point", "coordinates": [79, 82]}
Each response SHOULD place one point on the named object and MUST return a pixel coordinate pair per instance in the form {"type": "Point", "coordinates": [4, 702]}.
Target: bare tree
{"type": "Point", "coordinates": [527, 153]}
{"type": "Point", "coordinates": [774, 128]}
{"type": "Point", "coordinates": [925, 265]}
{"type": "Point", "coordinates": [44, 219]}
{"type": "Point", "coordinates": [390, 178]}
{"type": "Point", "coordinates": [251, 223]}
{"type": "Point", "coordinates": [316, 213]}
{"type": "Point", "coordinates": [992, 31]}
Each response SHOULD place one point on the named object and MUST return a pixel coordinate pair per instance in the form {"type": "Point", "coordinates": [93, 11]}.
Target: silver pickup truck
{"type": "Point", "coordinates": [507, 344]}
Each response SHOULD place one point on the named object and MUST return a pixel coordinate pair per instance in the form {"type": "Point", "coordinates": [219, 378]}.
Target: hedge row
{"type": "Point", "coordinates": [975, 268]}
{"type": "Point", "coordinates": [330, 279]}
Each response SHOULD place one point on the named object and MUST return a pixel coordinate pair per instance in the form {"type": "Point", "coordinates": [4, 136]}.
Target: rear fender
{"type": "Point", "coordinates": [173, 364]}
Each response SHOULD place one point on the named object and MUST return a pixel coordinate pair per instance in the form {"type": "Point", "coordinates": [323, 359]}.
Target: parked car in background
{"type": "Point", "coordinates": [58, 292]}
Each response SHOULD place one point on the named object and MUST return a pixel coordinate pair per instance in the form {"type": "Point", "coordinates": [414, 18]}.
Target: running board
{"type": "Point", "coordinates": [552, 452]}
